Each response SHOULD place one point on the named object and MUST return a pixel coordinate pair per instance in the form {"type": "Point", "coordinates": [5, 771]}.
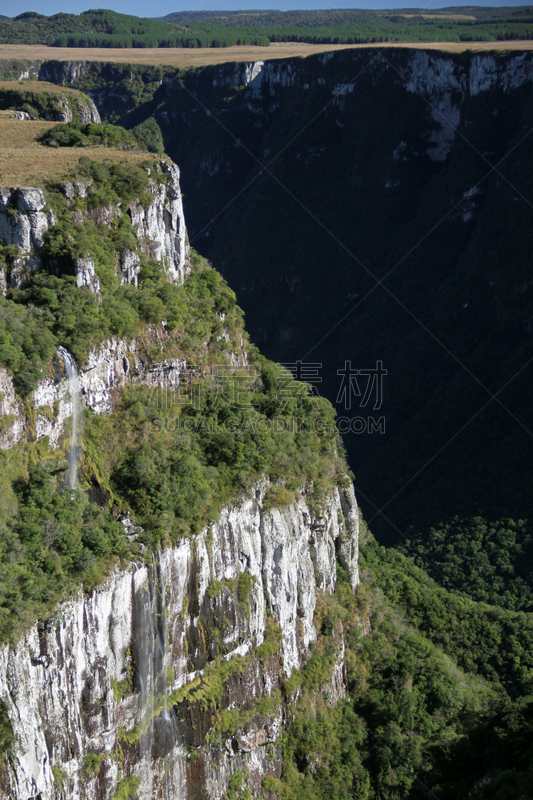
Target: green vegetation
{"type": "Point", "coordinates": [172, 461]}
{"type": "Point", "coordinates": [127, 789]}
{"type": "Point", "coordinates": [6, 731]}
{"type": "Point", "coordinates": [105, 28]}
{"type": "Point", "coordinates": [350, 26]}
{"type": "Point", "coordinates": [208, 695]}
{"type": "Point", "coordinates": [75, 135]}
{"type": "Point", "coordinates": [236, 790]}
{"type": "Point", "coordinates": [415, 722]}
{"type": "Point", "coordinates": [214, 589]}
{"type": "Point", "coordinates": [245, 581]}
{"type": "Point", "coordinates": [149, 136]}
{"type": "Point", "coordinates": [92, 763]}
{"type": "Point", "coordinates": [51, 310]}
{"type": "Point", "coordinates": [271, 643]}
{"type": "Point", "coordinates": [128, 737]}
{"type": "Point", "coordinates": [489, 561]}
{"type": "Point", "coordinates": [51, 542]}
{"type": "Point", "coordinates": [59, 776]}
{"type": "Point", "coordinates": [207, 691]}
{"type": "Point", "coordinates": [42, 100]}
{"type": "Point", "coordinates": [121, 688]}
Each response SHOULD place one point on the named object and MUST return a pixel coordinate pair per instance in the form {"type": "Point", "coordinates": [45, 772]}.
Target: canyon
{"type": "Point", "coordinates": [367, 207]}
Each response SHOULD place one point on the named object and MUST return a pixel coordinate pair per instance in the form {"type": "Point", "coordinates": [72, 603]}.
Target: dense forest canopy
{"type": "Point", "coordinates": [105, 28]}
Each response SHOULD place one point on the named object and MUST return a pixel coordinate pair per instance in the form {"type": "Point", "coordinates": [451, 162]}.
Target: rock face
{"type": "Point", "coordinates": [109, 368]}
{"type": "Point", "coordinates": [160, 230]}
{"type": "Point", "coordinates": [13, 422]}
{"type": "Point", "coordinates": [86, 274]}
{"type": "Point", "coordinates": [161, 234]}
{"type": "Point", "coordinates": [67, 108]}
{"type": "Point", "coordinates": [145, 648]}
{"type": "Point", "coordinates": [23, 224]}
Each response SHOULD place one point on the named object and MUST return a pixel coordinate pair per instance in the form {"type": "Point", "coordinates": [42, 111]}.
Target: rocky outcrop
{"type": "Point", "coordinates": [108, 369]}
{"type": "Point", "coordinates": [446, 84]}
{"type": "Point", "coordinates": [161, 227]}
{"type": "Point", "coordinates": [12, 420]}
{"type": "Point", "coordinates": [23, 224]}
{"type": "Point", "coordinates": [87, 111]}
{"type": "Point", "coordinates": [48, 103]}
{"type": "Point", "coordinates": [77, 685]}
{"type": "Point", "coordinates": [62, 71]}
{"type": "Point", "coordinates": [86, 275]}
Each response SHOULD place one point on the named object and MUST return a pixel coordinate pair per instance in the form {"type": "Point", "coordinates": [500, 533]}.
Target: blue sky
{"type": "Point", "coordinates": [156, 8]}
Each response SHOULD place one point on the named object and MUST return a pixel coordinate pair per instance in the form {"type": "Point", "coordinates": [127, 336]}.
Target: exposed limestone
{"type": "Point", "coordinates": [108, 369]}
{"type": "Point", "coordinates": [445, 84]}
{"type": "Point", "coordinates": [22, 115]}
{"type": "Point", "coordinates": [161, 228]}
{"type": "Point", "coordinates": [87, 111]}
{"type": "Point", "coordinates": [28, 198]}
{"type": "Point", "coordinates": [130, 266]}
{"type": "Point", "coordinates": [56, 683]}
{"type": "Point", "coordinates": [86, 274]}
{"type": "Point", "coordinates": [12, 419]}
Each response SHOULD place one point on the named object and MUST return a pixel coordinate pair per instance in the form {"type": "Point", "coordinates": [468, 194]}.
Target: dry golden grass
{"type": "Point", "coordinates": [39, 87]}
{"type": "Point", "coordinates": [178, 57]}
{"type": "Point", "coordinates": [25, 162]}
{"type": "Point", "coordinates": [182, 57]}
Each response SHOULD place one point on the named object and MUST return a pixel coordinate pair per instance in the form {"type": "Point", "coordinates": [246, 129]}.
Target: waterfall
{"type": "Point", "coordinates": [157, 724]}
{"type": "Point", "coordinates": [73, 378]}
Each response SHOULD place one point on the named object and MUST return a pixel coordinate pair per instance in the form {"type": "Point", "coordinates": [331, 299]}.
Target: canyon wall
{"type": "Point", "coordinates": [168, 677]}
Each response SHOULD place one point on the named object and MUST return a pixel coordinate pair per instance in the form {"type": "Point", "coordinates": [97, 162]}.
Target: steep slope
{"type": "Point", "coordinates": [210, 491]}
{"type": "Point", "coordinates": [333, 173]}
{"type": "Point", "coordinates": [168, 677]}
{"type": "Point", "coordinates": [169, 520]}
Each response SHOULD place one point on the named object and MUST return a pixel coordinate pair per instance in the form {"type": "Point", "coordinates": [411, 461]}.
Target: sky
{"type": "Point", "coordinates": [158, 8]}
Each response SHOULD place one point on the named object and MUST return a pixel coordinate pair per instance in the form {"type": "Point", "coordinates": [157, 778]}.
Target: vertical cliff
{"type": "Point", "coordinates": [169, 675]}
{"type": "Point", "coordinates": [167, 679]}
{"type": "Point", "coordinates": [158, 221]}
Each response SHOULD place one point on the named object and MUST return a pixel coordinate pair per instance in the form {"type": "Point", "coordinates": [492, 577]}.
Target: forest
{"type": "Point", "coordinates": [104, 28]}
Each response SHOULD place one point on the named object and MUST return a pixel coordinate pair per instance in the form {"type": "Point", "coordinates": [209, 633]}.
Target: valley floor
{"type": "Point", "coordinates": [182, 57]}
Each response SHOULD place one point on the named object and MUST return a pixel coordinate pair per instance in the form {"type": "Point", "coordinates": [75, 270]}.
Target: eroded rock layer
{"type": "Point", "coordinates": [121, 686]}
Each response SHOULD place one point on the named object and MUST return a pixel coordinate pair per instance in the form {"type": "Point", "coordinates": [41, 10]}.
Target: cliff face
{"type": "Point", "coordinates": [158, 678]}
{"type": "Point", "coordinates": [407, 167]}
{"type": "Point", "coordinates": [53, 105]}
{"type": "Point", "coordinates": [160, 229]}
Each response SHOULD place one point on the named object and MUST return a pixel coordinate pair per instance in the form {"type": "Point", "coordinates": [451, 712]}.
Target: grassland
{"type": "Point", "coordinates": [182, 58]}
{"type": "Point", "coordinates": [37, 87]}
{"type": "Point", "coordinates": [24, 161]}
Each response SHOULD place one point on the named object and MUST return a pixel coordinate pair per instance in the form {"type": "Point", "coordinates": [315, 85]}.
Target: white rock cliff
{"type": "Point", "coordinates": [160, 229]}
{"type": "Point", "coordinates": [60, 682]}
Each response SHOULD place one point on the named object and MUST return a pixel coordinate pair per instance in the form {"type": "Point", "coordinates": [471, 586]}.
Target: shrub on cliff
{"type": "Point", "coordinates": [73, 134]}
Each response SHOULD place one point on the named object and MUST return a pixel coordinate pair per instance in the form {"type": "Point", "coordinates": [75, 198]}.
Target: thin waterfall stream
{"type": "Point", "coordinates": [73, 377]}
{"type": "Point", "coordinates": [158, 729]}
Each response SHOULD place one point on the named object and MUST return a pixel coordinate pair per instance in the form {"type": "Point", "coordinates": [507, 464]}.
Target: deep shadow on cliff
{"type": "Point", "coordinates": [374, 207]}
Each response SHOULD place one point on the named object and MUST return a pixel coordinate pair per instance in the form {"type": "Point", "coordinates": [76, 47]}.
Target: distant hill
{"type": "Point", "coordinates": [357, 26]}
{"type": "Point", "coordinates": [106, 28]}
